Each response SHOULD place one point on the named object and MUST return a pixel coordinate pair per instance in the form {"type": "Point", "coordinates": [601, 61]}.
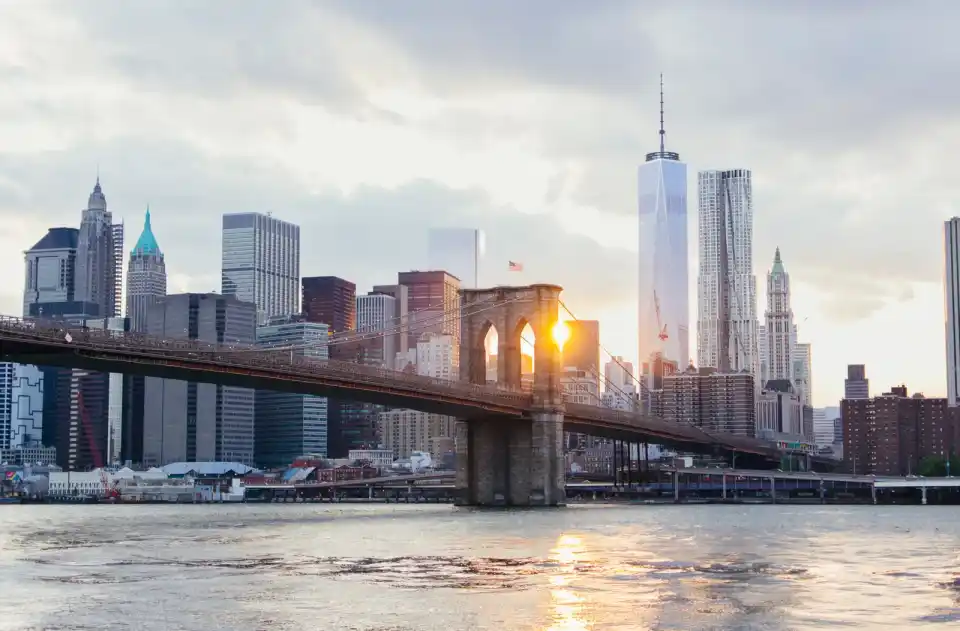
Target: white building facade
{"type": "Point", "coordinates": [377, 312]}
{"type": "Point", "coordinates": [803, 372]}
{"type": "Point", "coordinates": [261, 263]}
{"type": "Point", "coordinates": [727, 324]}
{"type": "Point", "coordinates": [951, 298]}
{"type": "Point", "coordinates": [579, 386]}
{"type": "Point", "coordinates": [435, 356]}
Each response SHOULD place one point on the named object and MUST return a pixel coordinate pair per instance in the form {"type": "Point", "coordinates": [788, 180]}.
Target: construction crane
{"type": "Point", "coordinates": [108, 488]}
{"type": "Point", "coordinates": [662, 327]}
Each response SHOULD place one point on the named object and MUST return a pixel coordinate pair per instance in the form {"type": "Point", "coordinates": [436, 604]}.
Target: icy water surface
{"type": "Point", "coordinates": [398, 568]}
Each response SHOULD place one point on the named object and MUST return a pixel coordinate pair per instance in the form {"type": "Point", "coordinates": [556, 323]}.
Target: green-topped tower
{"type": "Point", "coordinates": [146, 277]}
{"type": "Point", "coordinates": [778, 328]}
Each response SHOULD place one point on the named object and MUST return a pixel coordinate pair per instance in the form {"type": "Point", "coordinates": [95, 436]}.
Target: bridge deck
{"type": "Point", "coordinates": [51, 344]}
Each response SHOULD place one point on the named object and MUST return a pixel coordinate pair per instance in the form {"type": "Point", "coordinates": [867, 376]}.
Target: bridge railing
{"type": "Point", "coordinates": [248, 357]}
{"type": "Point", "coordinates": [251, 357]}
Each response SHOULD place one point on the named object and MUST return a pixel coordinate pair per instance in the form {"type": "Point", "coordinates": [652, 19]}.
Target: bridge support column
{"type": "Point", "coordinates": [511, 462]}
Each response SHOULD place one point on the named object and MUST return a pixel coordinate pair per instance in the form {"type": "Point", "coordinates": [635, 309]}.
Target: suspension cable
{"type": "Point", "coordinates": [634, 377]}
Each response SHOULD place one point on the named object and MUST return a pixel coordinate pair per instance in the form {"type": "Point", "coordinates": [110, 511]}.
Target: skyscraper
{"type": "Point", "coordinates": [951, 298]}
{"type": "Point", "coordinates": [459, 251]}
{"type": "Point", "coordinates": [99, 271]}
{"type": "Point", "coordinates": [146, 277]}
{"type": "Point", "coordinates": [803, 372]}
{"type": "Point", "coordinates": [779, 324]}
{"type": "Point", "coordinates": [856, 385]}
{"type": "Point", "coordinates": [376, 314]}
{"type": "Point", "coordinates": [332, 301]}
{"type": "Point", "coordinates": [434, 304]}
{"type": "Point", "coordinates": [582, 348]}
{"type": "Point", "coordinates": [50, 283]}
{"type": "Point", "coordinates": [664, 310]}
{"type": "Point", "coordinates": [726, 287]}
{"type": "Point", "coordinates": [290, 425]}
{"type": "Point", "coordinates": [261, 263]}
{"type": "Point", "coordinates": [189, 421]}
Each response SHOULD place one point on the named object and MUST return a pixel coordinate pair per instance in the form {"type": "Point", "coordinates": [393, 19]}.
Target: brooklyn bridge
{"type": "Point", "coordinates": [509, 439]}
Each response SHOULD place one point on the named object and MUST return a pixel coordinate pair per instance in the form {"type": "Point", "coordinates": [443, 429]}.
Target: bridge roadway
{"type": "Point", "coordinates": [51, 344]}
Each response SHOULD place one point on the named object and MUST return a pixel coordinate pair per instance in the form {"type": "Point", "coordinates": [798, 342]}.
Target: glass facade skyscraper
{"type": "Point", "coordinates": [261, 263]}
{"type": "Point", "coordinates": [189, 421]}
{"type": "Point", "coordinates": [664, 308]}
{"type": "Point", "coordinates": [457, 251]}
{"type": "Point", "coordinates": [291, 425]}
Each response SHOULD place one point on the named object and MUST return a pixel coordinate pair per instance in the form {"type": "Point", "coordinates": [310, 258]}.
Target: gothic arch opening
{"type": "Point", "coordinates": [491, 340]}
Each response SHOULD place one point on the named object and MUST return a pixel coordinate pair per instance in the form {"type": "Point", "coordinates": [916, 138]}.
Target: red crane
{"type": "Point", "coordinates": [95, 453]}
{"type": "Point", "coordinates": [662, 327]}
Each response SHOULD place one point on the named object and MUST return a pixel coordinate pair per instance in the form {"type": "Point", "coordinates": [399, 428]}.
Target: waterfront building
{"type": "Point", "coordinates": [261, 263]}
{"type": "Point", "coordinates": [726, 286]}
{"type": "Point", "coordinates": [891, 434]}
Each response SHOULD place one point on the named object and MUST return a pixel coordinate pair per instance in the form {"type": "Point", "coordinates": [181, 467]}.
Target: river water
{"type": "Point", "coordinates": [400, 567]}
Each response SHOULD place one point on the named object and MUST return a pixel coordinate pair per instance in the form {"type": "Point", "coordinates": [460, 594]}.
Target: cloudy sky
{"type": "Point", "coordinates": [369, 122]}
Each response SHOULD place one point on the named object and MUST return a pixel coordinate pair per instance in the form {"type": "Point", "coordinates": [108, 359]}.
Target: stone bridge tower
{"type": "Point", "coordinates": [504, 461]}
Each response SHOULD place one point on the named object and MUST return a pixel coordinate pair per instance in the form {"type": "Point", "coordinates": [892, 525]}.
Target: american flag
{"type": "Point", "coordinates": [515, 267]}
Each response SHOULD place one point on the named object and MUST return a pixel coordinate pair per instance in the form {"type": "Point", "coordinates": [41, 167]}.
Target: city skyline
{"type": "Point", "coordinates": [399, 163]}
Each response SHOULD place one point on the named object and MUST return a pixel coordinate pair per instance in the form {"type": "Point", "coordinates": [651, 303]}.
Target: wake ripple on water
{"type": "Point", "coordinates": [426, 572]}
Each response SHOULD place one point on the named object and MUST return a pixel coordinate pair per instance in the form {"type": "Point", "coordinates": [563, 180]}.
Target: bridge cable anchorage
{"type": "Point", "coordinates": [643, 386]}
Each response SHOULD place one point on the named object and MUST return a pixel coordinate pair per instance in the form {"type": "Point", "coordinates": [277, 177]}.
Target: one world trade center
{"type": "Point", "coordinates": [664, 308]}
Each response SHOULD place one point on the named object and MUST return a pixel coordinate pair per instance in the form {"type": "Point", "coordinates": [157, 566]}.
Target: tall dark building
{"type": "Point", "coordinates": [332, 301]}
{"type": "Point", "coordinates": [856, 385]}
{"type": "Point", "coordinates": [433, 300]}
{"type": "Point", "coordinates": [189, 421]}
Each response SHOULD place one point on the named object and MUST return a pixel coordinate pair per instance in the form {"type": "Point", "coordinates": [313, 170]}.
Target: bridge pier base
{"type": "Point", "coordinates": [511, 462]}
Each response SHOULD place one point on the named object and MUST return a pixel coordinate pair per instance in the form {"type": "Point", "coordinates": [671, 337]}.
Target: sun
{"type": "Point", "coordinates": [561, 333]}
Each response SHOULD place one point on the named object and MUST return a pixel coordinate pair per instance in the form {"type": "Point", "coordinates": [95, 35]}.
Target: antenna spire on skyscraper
{"type": "Point", "coordinates": [662, 132]}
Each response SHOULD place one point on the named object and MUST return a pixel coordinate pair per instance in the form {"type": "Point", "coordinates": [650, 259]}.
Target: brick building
{"type": "Point", "coordinates": [892, 433]}
{"type": "Point", "coordinates": [717, 402]}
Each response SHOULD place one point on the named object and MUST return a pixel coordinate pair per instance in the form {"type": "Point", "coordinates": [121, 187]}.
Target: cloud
{"type": "Point", "coordinates": [366, 236]}
{"type": "Point", "coordinates": [379, 120]}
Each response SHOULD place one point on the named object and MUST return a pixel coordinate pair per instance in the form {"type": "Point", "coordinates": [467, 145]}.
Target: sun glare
{"type": "Point", "coordinates": [561, 333]}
